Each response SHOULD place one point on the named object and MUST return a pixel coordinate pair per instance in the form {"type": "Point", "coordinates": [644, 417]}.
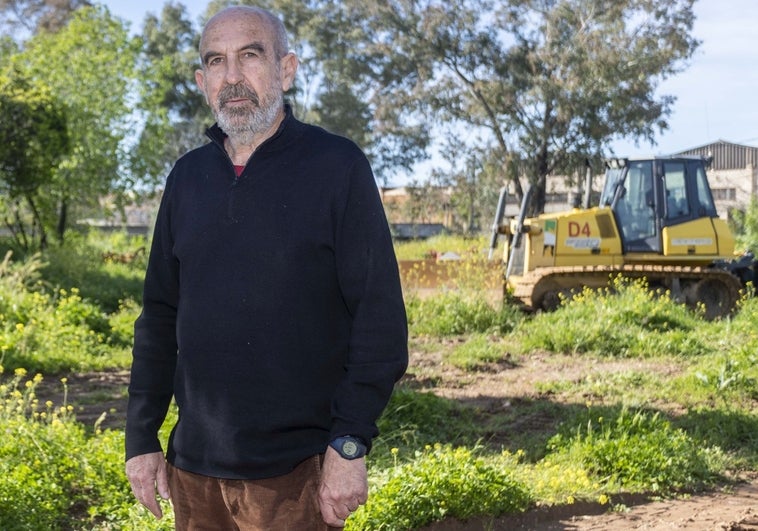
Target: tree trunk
{"type": "Point", "coordinates": [62, 220]}
{"type": "Point", "coordinates": [37, 220]}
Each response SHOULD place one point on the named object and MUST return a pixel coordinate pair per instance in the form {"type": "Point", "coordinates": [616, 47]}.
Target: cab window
{"type": "Point", "coordinates": [704, 203]}
{"type": "Point", "coordinates": [675, 190]}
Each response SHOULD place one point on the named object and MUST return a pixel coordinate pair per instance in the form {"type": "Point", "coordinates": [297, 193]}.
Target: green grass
{"type": "Point", "coordinates": [625, 321]}
{"type": "Point", "coordinates": [676, 412]}
{"type": "Point", "coordinates": [413, 420]}
{"type": "Point", "coordinates": [477, 351]}
{"type": "Point", "coordinates": [635, 450]}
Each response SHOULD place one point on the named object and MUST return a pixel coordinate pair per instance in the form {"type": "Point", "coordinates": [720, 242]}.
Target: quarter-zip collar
{"type": "Point", "coordinates": [288, 130]}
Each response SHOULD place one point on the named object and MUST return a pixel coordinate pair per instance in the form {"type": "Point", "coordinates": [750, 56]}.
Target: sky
{"type": "Point", "coordinates": [717, 94]}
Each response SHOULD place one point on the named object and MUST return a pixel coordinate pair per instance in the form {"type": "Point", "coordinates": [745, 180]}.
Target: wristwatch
{"type": "Point", "coordinates": [349, 447]}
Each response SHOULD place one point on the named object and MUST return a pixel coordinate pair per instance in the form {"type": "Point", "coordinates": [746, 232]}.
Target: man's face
{"type": "Point", "coordinates": [242, 77]}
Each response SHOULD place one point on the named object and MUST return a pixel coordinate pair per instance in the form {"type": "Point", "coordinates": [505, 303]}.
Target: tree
{"type": "Point", "coordinates": [174, 109]}
{"type": "Point", "coordinates": [552, 82]}
{"type": "Point", "coordinates": [33, 126]}
{"type": "Point", "coordinates": [35, 16]}
{"type": "Point", "coordinates": [93, 78]}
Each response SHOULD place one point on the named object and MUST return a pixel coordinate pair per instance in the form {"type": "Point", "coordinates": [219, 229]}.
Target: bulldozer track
{"type": "Point", "coordinates": [540, 288]}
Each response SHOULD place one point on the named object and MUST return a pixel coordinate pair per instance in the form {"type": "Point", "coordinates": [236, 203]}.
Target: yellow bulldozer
{"type": "Point", "coordinates": [656, 219]}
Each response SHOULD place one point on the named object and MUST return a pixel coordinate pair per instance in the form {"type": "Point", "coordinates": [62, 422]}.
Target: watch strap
{"type": "Point", "coordinates": [349, 447]}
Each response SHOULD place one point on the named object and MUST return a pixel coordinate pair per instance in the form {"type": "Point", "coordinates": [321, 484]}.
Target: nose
{"type": "Point", "coordinates": [233, 71]}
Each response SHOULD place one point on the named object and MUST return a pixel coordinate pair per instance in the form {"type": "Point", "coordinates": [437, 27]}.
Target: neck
{"type": "Point", "coordinates": [239, 151]}
{"type": "Point", "coordinates": [241, 147]}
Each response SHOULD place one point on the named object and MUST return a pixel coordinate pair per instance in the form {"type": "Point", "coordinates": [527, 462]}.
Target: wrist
{"type": "Point", "coordinates": [349, 447]}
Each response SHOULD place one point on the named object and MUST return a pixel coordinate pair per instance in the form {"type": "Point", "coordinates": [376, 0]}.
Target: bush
{"type": "Point", "coordinates": [106, 269]}
{"type": "Point", "coordinates": [51, 331]}
{"type": "Point", "coordinates": [55, 475]}
{"type": "Point", "coordinates": [636, 450]}
{"type": "Point", "coordinates": [440, 482]}
{"type": "Point", "coordinates": [46, 477]}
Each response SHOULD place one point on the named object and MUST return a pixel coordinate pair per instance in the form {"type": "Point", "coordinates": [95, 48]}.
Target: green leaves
{"type": "Point", "coordinates": [441, 482]}
{"type": "Point", "coordinates": [33, 126]}
{"type": "Point", "coordinates": [92, 78]}
{"type": "Point", "coordinates": [636, 450]}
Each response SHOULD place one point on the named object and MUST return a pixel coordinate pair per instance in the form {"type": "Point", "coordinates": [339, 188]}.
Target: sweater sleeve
{"type": "Point", "coordinates": [370, 283]}
{"type": "Point", "coordinates": [155, 345]}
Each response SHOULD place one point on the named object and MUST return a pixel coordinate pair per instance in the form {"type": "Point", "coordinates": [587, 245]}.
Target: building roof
{"type": "Point", "coordinates": [726, 155]}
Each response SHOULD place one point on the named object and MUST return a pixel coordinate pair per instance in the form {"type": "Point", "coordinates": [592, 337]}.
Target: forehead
{"type": "Point", "coordinates": [235, 28]}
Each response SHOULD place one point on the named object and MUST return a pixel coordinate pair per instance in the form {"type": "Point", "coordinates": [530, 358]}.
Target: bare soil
{"type": "Point", "coordinates": [511, 389]}
{"type": "Point", "coordinates": [501, 395]}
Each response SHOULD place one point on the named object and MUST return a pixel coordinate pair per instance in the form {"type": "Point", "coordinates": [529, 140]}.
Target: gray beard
{"type": "Point", "coordinates": [243, 125]}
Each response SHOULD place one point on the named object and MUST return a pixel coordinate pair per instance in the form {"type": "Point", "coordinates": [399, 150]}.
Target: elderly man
{"type": "Point", "coordinates": [272, 309]}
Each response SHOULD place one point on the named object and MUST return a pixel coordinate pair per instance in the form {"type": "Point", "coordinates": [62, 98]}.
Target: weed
{"type": "Point", "coordinates": [636, 450]}
{"type": "Point", "coordinates": [414, 419]}
{"type": "Point", "coordinates": [440, 482]}
{"type": "Point", "coordinates": [627, 320]}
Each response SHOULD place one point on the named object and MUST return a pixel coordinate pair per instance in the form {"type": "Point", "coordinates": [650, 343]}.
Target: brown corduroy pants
{"type": "Point", "coordinates": [283, 503]}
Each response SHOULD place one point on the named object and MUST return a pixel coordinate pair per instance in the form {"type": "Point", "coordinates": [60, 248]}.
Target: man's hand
{"type": "Point", "coordinates": [344, 487]}
{"type": "Point", "coordinates": [145, 473]}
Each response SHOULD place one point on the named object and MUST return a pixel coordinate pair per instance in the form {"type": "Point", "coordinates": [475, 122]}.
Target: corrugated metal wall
{"type": "Point", "coordinates": [726, 156]}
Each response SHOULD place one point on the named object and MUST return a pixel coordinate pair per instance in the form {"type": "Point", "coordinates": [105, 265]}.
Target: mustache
{"type": "Point", "coordinates": [235, 92]}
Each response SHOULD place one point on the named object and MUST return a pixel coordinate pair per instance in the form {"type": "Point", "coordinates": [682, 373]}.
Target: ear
{"type": "Point", "coordinates": [288, 67]}
{"type": "Point", "coordinates": [200, 80]}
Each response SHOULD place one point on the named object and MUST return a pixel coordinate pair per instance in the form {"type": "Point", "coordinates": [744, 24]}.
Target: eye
{"type": "Point", "coordinates": [213, 61]}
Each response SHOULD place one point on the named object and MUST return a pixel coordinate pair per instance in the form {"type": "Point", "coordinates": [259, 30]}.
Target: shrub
{"type": "Point", "coordinates": [51, 331]}
{"type": "Point", "coordinates": [636, 450]}
{"type": "Point", "coordinates": [45, 474]}
{"type": "Point", "coordinates": [55, 475]}
{"type": "Point", "coordinates": [746, 222]}
{"type": "Point", "coordinates": [440, 482]}
{"type": "Point", "coordinates": [107, 269]}
{"type": "Point", "coordinates": [122, 324]}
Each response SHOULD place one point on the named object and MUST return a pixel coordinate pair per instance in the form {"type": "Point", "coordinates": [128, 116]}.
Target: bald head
{"type": "Point", "coordinates": [246, 69]}
{"type": "Point", "coordinates": [274, 25]}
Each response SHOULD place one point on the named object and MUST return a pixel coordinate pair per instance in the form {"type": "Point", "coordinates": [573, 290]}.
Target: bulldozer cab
{"type": "Point", "coordinates": [648, 196]}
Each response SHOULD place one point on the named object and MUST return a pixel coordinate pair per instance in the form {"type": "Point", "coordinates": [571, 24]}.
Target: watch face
{"type": "Point", "coordinates": [350, 448]}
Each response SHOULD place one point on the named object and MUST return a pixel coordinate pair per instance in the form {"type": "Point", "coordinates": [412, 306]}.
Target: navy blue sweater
{"type": "Point", "coordinates": [272, 308]}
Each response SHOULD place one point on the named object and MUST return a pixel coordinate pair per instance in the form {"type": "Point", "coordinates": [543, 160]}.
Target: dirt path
{"type": "Point", "coordinates": [735, 509]}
